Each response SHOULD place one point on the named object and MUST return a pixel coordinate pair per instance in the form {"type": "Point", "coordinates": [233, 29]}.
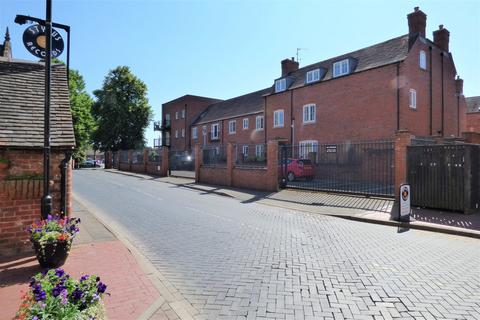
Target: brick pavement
{"type": "Point", "coordinates": [96, 251]}
{"type": "Point", "coordinates": [234, 260]}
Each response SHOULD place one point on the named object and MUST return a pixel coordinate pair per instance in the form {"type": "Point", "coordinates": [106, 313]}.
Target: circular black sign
{"type": "Point", "coordinates": [34, 40]}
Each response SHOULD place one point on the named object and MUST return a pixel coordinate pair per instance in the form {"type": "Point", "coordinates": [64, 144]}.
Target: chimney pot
{"type": "Point", "coordinates": [417, 23]}
{"type": "Point", "coordinates": [289, 66]}
{"type": "Point", "coordinates": [441, 37]}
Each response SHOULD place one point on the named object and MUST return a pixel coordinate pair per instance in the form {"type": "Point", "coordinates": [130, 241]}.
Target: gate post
{"type": "Point", "coordinates": [165, 162]}
{"type": "Point", "coordinates": [145, 159]}
{"type": "Point", "coordinates": [272, 165]}
{"type": "Point", "coordinates": [130, 160]}
{"type": "Point", "coordinates": [230, 159]}
{"type": "Point", "coordinates": [403, 139]}
{"type": "Point", "coordinates": [198, 162]}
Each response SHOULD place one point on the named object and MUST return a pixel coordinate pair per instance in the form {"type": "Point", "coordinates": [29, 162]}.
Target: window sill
{"type": "Point", "coordinates": [277, 127]}
{"type": "Point", "coordinates": [259, 129]}
{"type": "Point", "coordinates": [231, 133]}
{"type": "Point", "coordinates": [308, 123]}
{"type": "Point", "coordinates": [412, 108]}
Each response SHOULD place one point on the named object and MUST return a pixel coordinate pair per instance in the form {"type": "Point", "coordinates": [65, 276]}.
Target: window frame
{"type": "Point", "coordinates": [313, 72]}
{"type": "Point", "coordinates": [245, 120]}
{"type": "Point", "coordinates": [262, 122]}
{"type": "Point", "coordinates": [212, 131]}
{"type": "Point", "coordinates": [260, 147]}
{"type": "Point", "coordinates": [194, 132]}
{"type": "Point", "coordinates": [176, 133]}
{"type": "Point", "coordinates": [183, 114]}
{"type": "Point", "coordinates": [304, 148]}
{"type": "Point", "coordinates": [422, 58]}
{"type": "Point", "coordinates": [176, 115]}
{"type": "Point", "coordinates": [310, 105]}
{"type": "Point", "coordinates": [183, 132]}
{"type": "Point", "coordinates": [412, 99]}
{"type": "Point", "coordinates": [279, 87]}
{"type": "Point", "coordinates": [230, 123]}
{"type": "Point", "coordinates": [340, 63]}
{"type": "Point", "coordinates": [245, 151]}
{"type": "Point", "coordinates": [276, 122]}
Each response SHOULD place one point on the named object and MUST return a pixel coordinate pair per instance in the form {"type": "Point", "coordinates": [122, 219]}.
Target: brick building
{"type": "Point", "coordinates": [405, 83]}
{"type": "Point", "coordinates": [21, 146]}
{"type": "Point", "coordinates": [178, 116]}
{"type": "Point", "coordinates": [473, 114]}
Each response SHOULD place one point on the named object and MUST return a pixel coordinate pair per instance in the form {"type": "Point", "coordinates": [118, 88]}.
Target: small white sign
{"type": "Point", "coordinates": [404, 202]}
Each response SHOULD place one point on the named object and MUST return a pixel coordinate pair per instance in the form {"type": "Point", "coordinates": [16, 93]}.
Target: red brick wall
{"type": "Point", "coordinates": [473, 122]}
{"type": "Point", "coordinates": [213, 175]}
{"type": "Point", "coordinates": [194, 106]}
{"type": "Point", "coordinates": [20, 199]}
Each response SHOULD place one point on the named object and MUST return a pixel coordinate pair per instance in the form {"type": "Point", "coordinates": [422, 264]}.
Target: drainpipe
{"type": "Point", "coordinates": [431, 92]}
{"type": "Point", "coordinates": [292, 119]}
{"type": "Point", "coordinates": [443, 101]}
{"type": "Point", "coordinates": [458, 114]}
{"type": "Point", "coordinates": [398, 96]}
{"type": "Point", "coordinates": [63, 183]}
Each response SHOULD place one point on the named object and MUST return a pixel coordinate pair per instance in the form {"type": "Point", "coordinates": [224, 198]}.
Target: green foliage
{"type": "Point", "coordinates": [4, 160]}
{"type": "Point", "coordinates": [55, 295]}
{"type": "Point", "coordinates": [121, 111]}
{"type": "Point", "coordinates": [83, 122]}
{"type": "Point", "coordinates": [25, 176]}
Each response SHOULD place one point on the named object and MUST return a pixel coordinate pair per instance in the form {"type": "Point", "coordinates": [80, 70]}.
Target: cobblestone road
{"type": "Point", "coordinates": [233, 260]}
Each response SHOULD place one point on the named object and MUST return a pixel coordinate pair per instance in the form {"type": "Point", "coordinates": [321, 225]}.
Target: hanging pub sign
{"type": "Point", "coordinates": [35, 41]}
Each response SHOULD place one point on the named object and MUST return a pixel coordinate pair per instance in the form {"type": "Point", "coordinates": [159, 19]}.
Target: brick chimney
{"type": "Point", "coordinates": [459, 85]}
{"type": "Point", "coordinates": [289, 66]}
{"type": "Point", "coordinates": [417, 22]}
{"type": "Point", "coordinates": [441, 37]}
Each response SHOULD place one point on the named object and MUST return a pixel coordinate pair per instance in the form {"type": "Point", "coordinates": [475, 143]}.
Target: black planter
{"type": "Point", "coordinates": [54, 255]}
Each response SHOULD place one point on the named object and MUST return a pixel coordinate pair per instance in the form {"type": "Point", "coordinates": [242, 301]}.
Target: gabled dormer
{"type": "Point", "coordinates": [343, 67]}
{"type": "Point", "coordinates": [315, 75]}
{"type": "Point", "coordinates": [283, 83]}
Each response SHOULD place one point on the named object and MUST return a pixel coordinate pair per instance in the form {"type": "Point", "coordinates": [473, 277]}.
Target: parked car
{"type": "Point", "coordinates": [297, 168]}
{"type": "Point", "coordinates": [88, 164]}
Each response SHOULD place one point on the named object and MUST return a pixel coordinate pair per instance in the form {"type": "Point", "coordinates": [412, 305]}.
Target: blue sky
{"type": "Point", "coordinates": [224, 49]}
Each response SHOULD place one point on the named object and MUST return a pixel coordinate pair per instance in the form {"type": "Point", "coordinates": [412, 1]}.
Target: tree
{"type": "Point", "coordinates": [122, 112]}
{"type": "Point", "coordinates": [83, 122]}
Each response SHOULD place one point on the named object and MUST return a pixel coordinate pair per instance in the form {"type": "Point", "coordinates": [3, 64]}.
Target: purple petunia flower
{"type": "Point", "coordinates": [77, 294]}
{"type": "Point", "coordinates": [32, 282]}
{"type": "Point", "coordinates": [84, 277]}
{"type": "Point", "coordinates": [39, 293]}
{"type": "Point", "coordinates": [59, 272]}
{"type": "Point", "coordinates": [101, 287]}
{"type": "Point", "coordinates": [35, 318]}
{"type": "Point", "coordinates": [64, 295]}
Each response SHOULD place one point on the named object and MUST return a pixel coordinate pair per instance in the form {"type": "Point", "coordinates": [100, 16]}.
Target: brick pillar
{"type": "Point", "coordinates": [403, 139]}
{"type": "Point", "coordinates": [230, 161]}
{"type": "Point", "coordinates": [145, 159]}
{"type": "Point", "coordinates": [130, 160]}
{"type": "Point", "coordinates": [108, 160]}
{"type": "Point", "coordinates": [164, 167]}
{"type": "Point", "coordinates": [272, 165]}
{"type": "Point", "coordinates": [198, 162]}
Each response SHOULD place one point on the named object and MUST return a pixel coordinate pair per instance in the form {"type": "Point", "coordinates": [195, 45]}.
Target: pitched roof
{"type": "Point", "coordinates": [384, 53]}
{"type": "Point", "coordinates": [22, 105]}
{"type": "Point", "coordinates": [473, 104]}
{"type": "Point", "coordinates": [249, 103]}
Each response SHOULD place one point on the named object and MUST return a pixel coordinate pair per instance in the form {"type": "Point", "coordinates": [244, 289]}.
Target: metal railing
{"type": "Point", "coordinates": [123, 156]}
{"type": "Point", "coordinates": [349, 167]}
{"type": "Point", "coordinates": [214, 155]}
{"type": "Point", "coordinates": [137, 156]}
{"type": "Point", "coordinates": [154, 155]}
{"type": "Point", "coordinates": [251, 155]}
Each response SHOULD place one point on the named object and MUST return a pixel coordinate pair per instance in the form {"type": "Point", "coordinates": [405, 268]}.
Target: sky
{"type": "Point", "coordinates": [223, 49]}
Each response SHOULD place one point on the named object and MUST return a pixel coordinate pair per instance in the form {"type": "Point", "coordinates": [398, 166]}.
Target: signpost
{"type": "Point", "coordinates": [404, 210]}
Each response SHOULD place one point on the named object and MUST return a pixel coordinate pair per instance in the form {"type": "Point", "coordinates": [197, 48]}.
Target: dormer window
{"type": "Point", "coordinates": [280, 85]}
{"type": "Point", "coordinates": [313, 75]}
{"type": "Point", "coordinates": [340, 68]}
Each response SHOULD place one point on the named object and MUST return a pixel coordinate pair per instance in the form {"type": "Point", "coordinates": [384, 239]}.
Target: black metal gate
{"type": "Point", "coordinates": [365, 168]}
{"type": "Point", "coordinates": [445, 176]}
{"type": "Point", "coordinates": [181, 163]}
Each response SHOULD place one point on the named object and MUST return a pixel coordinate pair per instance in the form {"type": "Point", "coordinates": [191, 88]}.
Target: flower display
{"type": "Point", "coordinates": [55, 295]}
{"type": "Point", "coordinates": [53, 229]}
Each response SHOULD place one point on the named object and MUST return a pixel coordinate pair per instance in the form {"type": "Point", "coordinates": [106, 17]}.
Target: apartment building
{"type": "Point", "coordinates": [406, 83]}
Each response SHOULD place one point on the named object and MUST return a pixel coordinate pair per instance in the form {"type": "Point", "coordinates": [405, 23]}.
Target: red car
{"type": "Point", "coordinates": [298, 168]}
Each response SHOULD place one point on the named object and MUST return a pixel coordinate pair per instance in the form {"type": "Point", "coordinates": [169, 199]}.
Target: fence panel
{"type": "Point", "coordinates": [351, 167]}
{"type": "Point", "coordinates": [214, 155]}
{"type": "Point", "coordinates": [251, 155]}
